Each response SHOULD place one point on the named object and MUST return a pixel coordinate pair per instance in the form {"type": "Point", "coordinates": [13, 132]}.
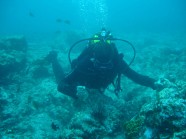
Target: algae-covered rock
{"type": "Point", "coordinates": [180, 135]}
{"type": "Point", "coordinates": [11, 62]}
{"type": "Point", "coordinates": [17, 43]}
{"type": "Point", "coordinates": [133, 127]}
{"type": "Point", "coordinates": [12, 57]}
{"type": "Point", "coordinates": [39, 69]}
{"type": "Point", "coordinates": [167, 115]}
{"type": "Point", "coordinates": [41, 72]}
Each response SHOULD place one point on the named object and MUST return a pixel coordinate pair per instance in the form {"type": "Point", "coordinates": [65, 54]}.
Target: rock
{"type": "Point", "coordinates": [12, 57]}
{"type": "Point", "coordinates": [167, 114]}
{"type": "Point", "coordinates": [11, 62]}
{"type": "Point", "coordinates": [41, 72]}
{"type": "Point", "coordinates": [17, 43]}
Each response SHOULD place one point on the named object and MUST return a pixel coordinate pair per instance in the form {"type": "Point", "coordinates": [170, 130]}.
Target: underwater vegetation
{"type": "Point", "coordinates": [12, 57]}
{"type": "Point", "coordinates": [133, 127]}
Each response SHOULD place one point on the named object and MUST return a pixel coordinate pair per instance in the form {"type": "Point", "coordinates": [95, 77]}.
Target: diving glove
{"type": "Point", "coordinates": [82, 92]}
{"type": "Point", "coordinates": [52, 56]}
{"type": "Point", "coordinates": [162, 83]}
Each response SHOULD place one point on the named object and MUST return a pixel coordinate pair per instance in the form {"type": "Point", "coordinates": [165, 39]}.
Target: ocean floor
{"type": "Point", "coordinates": [32, 108]}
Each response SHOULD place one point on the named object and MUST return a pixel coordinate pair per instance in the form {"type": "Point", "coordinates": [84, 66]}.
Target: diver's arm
{"type": "Point", "coordinates": [136, 77]}
{"type": "Point", "coordinates": [85, 52]}
{"type": "Point", "coordinates": [58, 71]}
{"type": "Point", "coordinates": [84, 55]}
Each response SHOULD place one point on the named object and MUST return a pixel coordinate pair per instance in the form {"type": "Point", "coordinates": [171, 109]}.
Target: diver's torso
{"type": "Point", "coordinates": [92, 72]}
{"type": "Point", "coordinates": [93, 75]}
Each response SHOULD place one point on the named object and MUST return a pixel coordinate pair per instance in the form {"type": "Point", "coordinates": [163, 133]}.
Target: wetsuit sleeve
{"type": "Point", "coordinates": [136, 77]}
{"type": "Point", "coordinates": [58, 71]}
{"type": "Point", "coordinates": [85, 53]}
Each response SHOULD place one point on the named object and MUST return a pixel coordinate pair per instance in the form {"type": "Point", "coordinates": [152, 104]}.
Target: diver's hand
{"type": "Point", "coordinates": [52, 56]}
{"type": "Point", "coordinates": [82, 92]}
{"type": "Point", "coordinates": [162, 83]}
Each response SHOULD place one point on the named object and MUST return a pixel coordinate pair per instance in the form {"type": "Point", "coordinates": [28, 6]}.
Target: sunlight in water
{"type": "Point", "coordinates": [93, 11]}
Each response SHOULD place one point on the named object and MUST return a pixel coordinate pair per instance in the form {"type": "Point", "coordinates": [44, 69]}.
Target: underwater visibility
{"type": "Point", "coordinates": [93, 69]}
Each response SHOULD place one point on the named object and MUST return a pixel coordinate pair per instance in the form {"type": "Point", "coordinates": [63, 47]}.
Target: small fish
{"type": "Point", "coordinates": [58, 20]}
{"type": "Point", "coordinates": [64, 21]}
{"type": "Point", "coordinates": [67, 22]}
{"type": "Point", "coordinates": [31, 14]}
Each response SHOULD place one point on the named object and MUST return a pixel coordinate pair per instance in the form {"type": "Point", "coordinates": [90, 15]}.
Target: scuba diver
{"type": "Point", "coordinates": [99, 65]}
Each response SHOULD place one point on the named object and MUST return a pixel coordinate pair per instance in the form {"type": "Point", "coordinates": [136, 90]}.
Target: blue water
{"type": "Point", "coordinates": [91, 15]}
{"type": "Point", "coordinates": [31, 106]}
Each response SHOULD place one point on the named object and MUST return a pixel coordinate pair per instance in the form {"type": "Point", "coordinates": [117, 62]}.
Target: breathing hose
{"type": "Point", "coordinates": [112, 39]}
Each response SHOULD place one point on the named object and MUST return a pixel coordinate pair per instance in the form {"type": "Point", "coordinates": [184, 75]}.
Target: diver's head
{"type": "Point", "coordinates": [103, 52]}
{"type": "Point", "coordinates": [101, 37]}
{"type": "Point", "coordinates": [103, 32]}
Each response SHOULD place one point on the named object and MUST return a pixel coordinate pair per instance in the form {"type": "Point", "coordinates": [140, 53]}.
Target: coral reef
{"type": "Point", "coordinates": [17, 43]}
{"type": "Point", "coordinates": [12, 58]}
{"type": "Point", "coordinates": [167, 114]}
{"type": "Point", "coordinates": [133, 127]}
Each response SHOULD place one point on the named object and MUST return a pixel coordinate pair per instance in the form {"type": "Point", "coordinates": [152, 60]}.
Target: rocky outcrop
{"type": "Point", "coordinates": [164, 117]}
{"type": "Point", "coordinates": [12, 57]}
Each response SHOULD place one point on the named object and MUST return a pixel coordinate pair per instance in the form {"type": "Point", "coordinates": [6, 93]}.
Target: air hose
{"type": "Point", "coordinates": [112, 39]}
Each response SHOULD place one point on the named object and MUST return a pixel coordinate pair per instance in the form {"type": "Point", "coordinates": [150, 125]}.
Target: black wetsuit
{"type": "Point", "coordinates": [96, 74]}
